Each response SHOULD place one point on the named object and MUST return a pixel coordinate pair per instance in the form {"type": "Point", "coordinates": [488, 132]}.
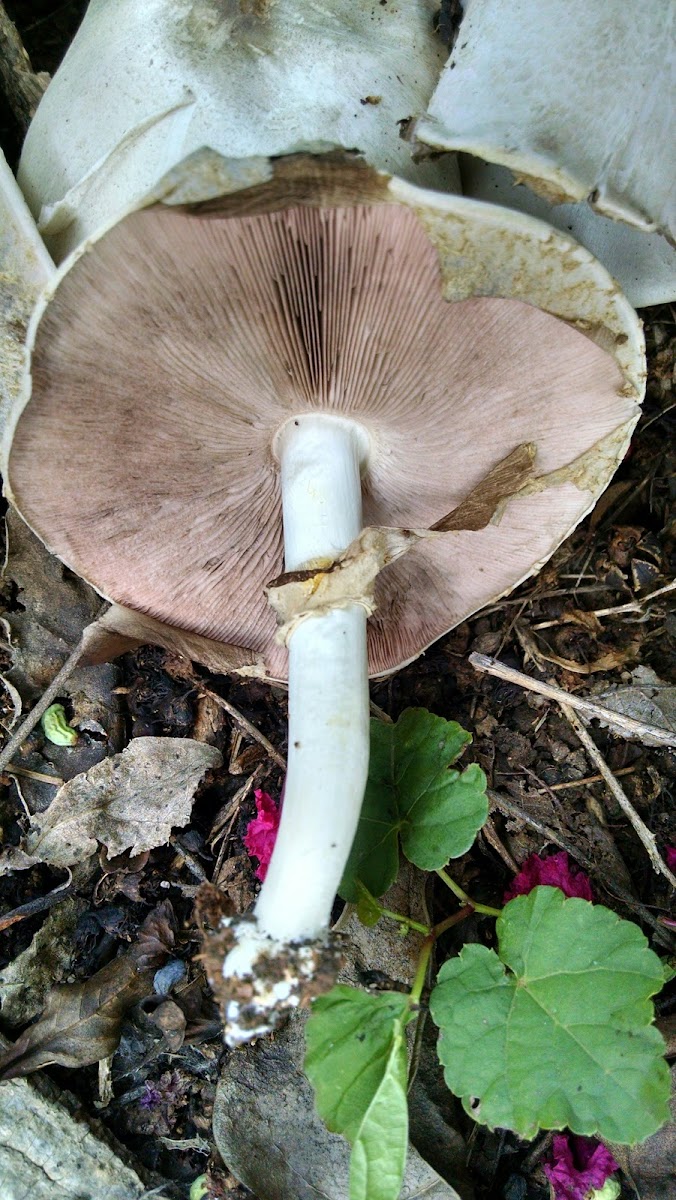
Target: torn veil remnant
{"type": "Point", "coordinates": [346, 350]}
{"type": "Point", "coordinates": [571, 99]}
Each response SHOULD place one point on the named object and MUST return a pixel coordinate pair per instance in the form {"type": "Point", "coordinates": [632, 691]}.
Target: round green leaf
{"type": "Point", "coordinates": [556, 1031]}
{"type": "Point", "coordinates": [412, 795]}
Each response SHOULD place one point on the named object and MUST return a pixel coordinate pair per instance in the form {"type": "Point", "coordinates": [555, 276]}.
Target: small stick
{"type": "Point", "coordinates": [632, 606]}
{"type": "Point", "coordinates": [510, 809]}
{"type": "Point", "coordinates": [48, 697]}
{"type": "Point", "coordinates": [491, 835]}
{"type": "Point", "coordinates": [380, 714]}
{"type": "Point", "coordinates": [641, 829]}
{"type": "Point", "coordinates": [574, 783]}
{"type": "Point", "coordinates": [39, 904]}
{"type": "Point", "coordinates": [626, 725]}
{"type": "Point", "coordinates": [191, 862]}
{"type": "Point", "coordinates": [246, 726]}
{"type": "Point", "coordinates": [38, 776]}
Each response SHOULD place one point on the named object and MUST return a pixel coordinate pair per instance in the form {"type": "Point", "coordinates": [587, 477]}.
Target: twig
{"type": "Point", "coordinates": [226, 816]}
{"type": "Point", "coordinates": [632, 606]}
{"type": "Point", "coordinates": [491, 835]}
{"type": "Point", "coordinates": [380, 714]}
{"type": "Point", "coordinates": [38, 905]}
{"type": "Point", "coordinates": [641, 829]}
{"type": "Point", "coordinates": [194, 866]}
{"type": "Point", "coordinates": [575, 783]}
{"type": "Point", "coordinates": [510, 809]}
{"type": "Point", "coordinates": [38, 776]}
{"type": "Point", "coordinates": [21, 85]}
{"type": "Point", "coordinates": [48, 696]}
{"type": "Point", "coordinates": [536, 596]}
{"type": "Point", "coordinates": [228, 810]}
{"type": "Point", "coordinates": [245, 725]}
{"type": "Point", "coordinates": [626, 725]}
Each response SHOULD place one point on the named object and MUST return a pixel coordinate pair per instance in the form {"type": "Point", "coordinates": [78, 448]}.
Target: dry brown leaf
{"type": "Point", "coordinates": [26, 982]}
{"type": "Point", "coordinates": [81, 1021]}
{"type": "Point", "coordinates": [647, 698]}
{"type": "Point", "coordinates": [579, 616]}
{"type": "Point", "coordinates": [170, 1020]}
{"type": "Point", "coordinates": [608, 660]}
{"type": "Point", "coordinates": [236, 881]}
{"type": "Point", "coordinates": [131, 801]}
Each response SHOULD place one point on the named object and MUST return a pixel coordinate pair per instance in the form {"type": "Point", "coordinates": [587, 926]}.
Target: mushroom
{"type": "Point", "coordinates": [251, 80]}
{"type": "Point", "coordinates": [329, 340]}
{"type": "Point", "coordinates": [571, 99]}
{"type": "Point", "coordinates": [144, 85]}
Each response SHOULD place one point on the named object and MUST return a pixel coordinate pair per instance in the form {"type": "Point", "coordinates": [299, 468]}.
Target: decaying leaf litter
{"type": "Point", "coordinates": [587, 624]}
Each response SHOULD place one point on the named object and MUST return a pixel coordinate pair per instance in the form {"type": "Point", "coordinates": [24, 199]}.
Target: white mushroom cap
{"type": "Point", "coordinates": [573, 96]}
{"type": "Point", "coordinates": [145, 84]}
{"type": "Point", "coordinates": [176, 347]}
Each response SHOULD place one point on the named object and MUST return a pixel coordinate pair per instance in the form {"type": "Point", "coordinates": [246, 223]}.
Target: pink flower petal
{"type": "Point", "coordinates": [671, 858]}
{"type": "Point", "coordinates": [579, 1165]}
{"type": "Point", "coordinates": [554, 871]}
{"type": "Point", "coordinates": [261, 833]}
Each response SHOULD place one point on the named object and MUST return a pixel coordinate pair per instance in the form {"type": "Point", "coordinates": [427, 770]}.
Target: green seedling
{"type": "Point", "coordinates": [56, 728]}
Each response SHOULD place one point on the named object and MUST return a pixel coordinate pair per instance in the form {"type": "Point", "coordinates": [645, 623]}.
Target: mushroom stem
{"type": "Point", "coordinates": [320, 459]}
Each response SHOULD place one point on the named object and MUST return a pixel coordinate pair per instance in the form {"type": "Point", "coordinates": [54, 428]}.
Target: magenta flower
{"type": "Point", "coordinates": [671, 858]}
{"type": "Point", "coordinates": [579, 1165]}
{"type": "Point", "coordinates": [261, 833]}
{"type": "Point", "coordinates": [554, 871]}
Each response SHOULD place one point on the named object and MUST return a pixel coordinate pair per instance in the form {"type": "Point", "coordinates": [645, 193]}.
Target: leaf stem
{"type": "Point", "coordinates": [426, 950]}
{"type": "Point", "coordinates": [401, 920]}
{"type": "Point", "coordinates": [462, 896]}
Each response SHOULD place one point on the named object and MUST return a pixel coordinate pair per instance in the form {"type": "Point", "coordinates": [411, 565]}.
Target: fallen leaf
{"type": "Point", "coordinates": [170, 1020]}
{"type": "Point", "coordinates": [81, 1021]}
{"type": "Point", "coordinates": [608, 660]}
{"type": "Point", "coordinates": [647, 698]}
{"type": "Point", "coordinates": [235, 879]}
{"type": "Point", "coordinates": [131, 801]}
{"type": "Point", "coordinates": [480, 506]}
{"type": "Point", "coordinates": [26, 982]}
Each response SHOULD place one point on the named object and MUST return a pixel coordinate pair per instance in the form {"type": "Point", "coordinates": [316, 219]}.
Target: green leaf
{"type": "Point", "coordinates": [356, 1062]}
{"type": "Point", "coordinates": [369, 911]}
{"type": "Point", "coordinates": [412, 795]}
{"type": "Point", "coordinates": [611, 1190]}
{"type": "Point", "coordinates": [556, 1031]}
